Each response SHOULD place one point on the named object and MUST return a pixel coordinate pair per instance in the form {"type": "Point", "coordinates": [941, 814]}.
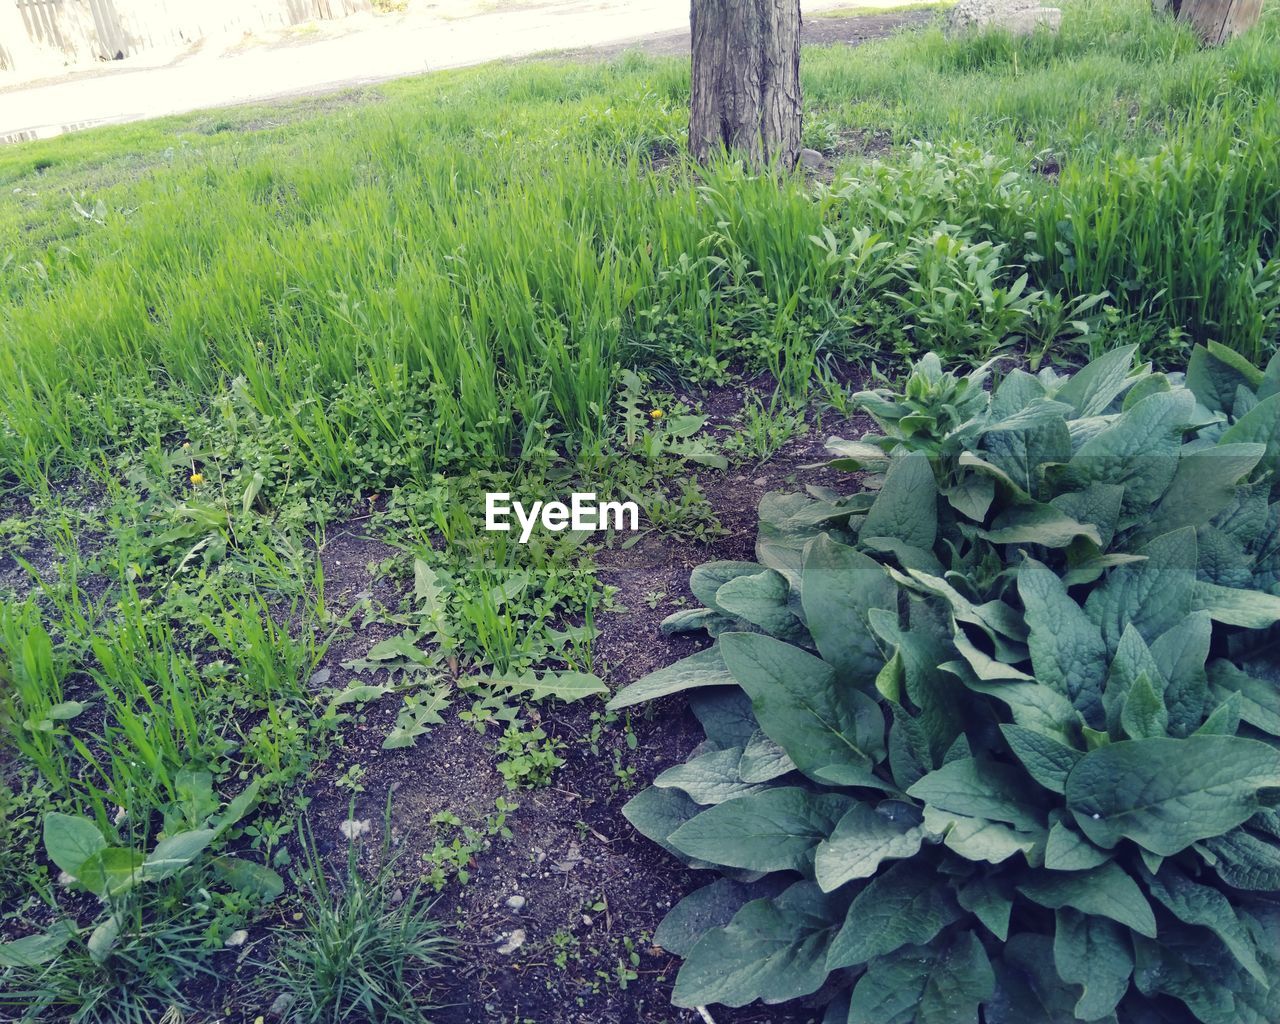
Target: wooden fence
{"type": "Point", "coordinates": [82, 30]}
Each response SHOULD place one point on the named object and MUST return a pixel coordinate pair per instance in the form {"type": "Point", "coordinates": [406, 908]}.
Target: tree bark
{"type": "Point", "coordinates": [746, 80]}
{"type": "Point", "coordinates": [1215, 20]}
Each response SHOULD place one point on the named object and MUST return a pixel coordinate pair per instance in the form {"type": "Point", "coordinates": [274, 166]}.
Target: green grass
{"type": "Point", "coordinates": [358, 263]}
{"type": "Point", "coordinates": [222, 333]}
{"type": "Point", "coordinates": [361, 952]}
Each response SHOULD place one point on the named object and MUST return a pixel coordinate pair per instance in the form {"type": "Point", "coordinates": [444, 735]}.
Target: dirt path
{"type": "Point", "coordinates": [363, 50]}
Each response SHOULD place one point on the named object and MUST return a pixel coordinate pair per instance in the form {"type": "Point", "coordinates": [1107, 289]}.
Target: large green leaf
{"type": "Point", "coordinates": [725, 714]}
{"type": "Point", "coordinates": [840, 585]}
{"type": "Point", "coordinates": [248, 877]}
{"type": "Point", "coordinates": [972, 496]}
{"type": "Point", "coordinates": [906, 508]}
{"type": "Point", "coordinates": [1166, 794]}
{"type": "Point", "coordinates": [1250, 609]}
{"type": "Point", "coordinates": [762, 600]}
{"type": "Point", "coordinates": [176, 852]}
{"type": "Point", "coordinates": [1094, 953]}
{"type": "Point", "coordinates": [1132, 661]}
{"type": "Point", "coordinates": [1194, 967]}
{"type": "Point", "coordinates": [111, 872]}
{"type": "Point", "coordinates": [1022, 447]}
{"type": "Point", "coordinates": [1259, 701]}
{"type": "Point", "coordinates": [981, 789]}
{"type": "Point", "coordinates": [979, 839]}
{"type": "Point", "coordinates": [772, 830]}
{"type": "Point", "coordinates": [1180, 654]}
{"type": "Point", "coordinates": [1033, 706]}
{"type": "Point", "coordinates": [1215, 372]}
{"type": "Point", "coordinates": [922, 650]}
{"type": "Point", "coordinates": [1067, 850]}
{"type": "Point", "coordinates": [864, 838]}
{"type": "Point", "coordinates": [1139, 450]}
{"type": "Point", "coordinates": [656, 812]}
{"type": "Point", "coordinates": [921, 985]}
{"type": "Point", "coordinates": [1144, 713]}
{"type": "Point", "coordinates": [706, 579]}
{"type": "Point", "coordinates": [834, 733]}
{"type": "Point", "coordinates": [1204, 485]}
{"type": "Point", "coordinates": [1045, 525]}
{"type": "Point", "coordinates": [1028, 988]}
{"type": "Point", "coordinates": [906, 905]}
{"type": "Point", "coordinates": [772, 950]}
{"type": "Point", "coordinates": [102, 940]}
{"type": "Point", "coordinates": [1104, 891]}
{"type": "Point", "coordinates": [1092, 388]}
{"type": "Point", "coordinates": [710, 778]}
{"type": "Point", "coordinates": [38, 949]}
{"type": "Point", "coordinates": [712, 906]}
{"type": "Point", "coordinates": [1046, 759]}
{"type": "Point", "coordinates": [1205, 906]}
{"type": "Point", "coordinates": [990, 900]}
{"type": "Point", "coordinates": [909, 756]}
{"type": "Point", "coordinates": [706, 668]}
{"type": "Point", "coordinates": [1152, 596]}
{"type": "Point", "coordinates": [1097, 505]}
{"type": "Point", "coordinates": [70, 841]}
{"type": "Point", "coordinates": [1245, 858]}
{"type": "Point", "coordinates": [1067, 649]}
{"type": "Point", "coordinates": [763, 760]}
{"type": "Point", "coordinates": [1261, 425]}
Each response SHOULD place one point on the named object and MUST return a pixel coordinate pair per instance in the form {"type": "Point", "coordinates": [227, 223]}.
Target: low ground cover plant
{"type": "Point", "coordinates": [362, 950]}
{"type": "Point", "coordinates": [997, 732]}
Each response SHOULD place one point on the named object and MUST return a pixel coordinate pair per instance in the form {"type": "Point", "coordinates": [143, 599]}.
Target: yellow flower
{"type": "Point", "coordinates": [655, 414]}
{"type": "Point", "coordinates": [186, 446]}
{"type": "Point", "coordinates": [197, 478]}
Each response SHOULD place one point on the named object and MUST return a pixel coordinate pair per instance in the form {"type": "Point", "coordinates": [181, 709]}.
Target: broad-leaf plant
{"type": "Point", "coordinates": [997, 737]}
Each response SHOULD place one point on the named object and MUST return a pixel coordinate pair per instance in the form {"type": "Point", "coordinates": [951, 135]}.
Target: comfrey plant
{"type": "Point", "coordinates": [998, 736]}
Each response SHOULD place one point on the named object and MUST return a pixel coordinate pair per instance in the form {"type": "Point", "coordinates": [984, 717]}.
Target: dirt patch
{"type": "Point", "coordinates": [21, 542]}
{"type": "Point", "coordinates": [586, 891]}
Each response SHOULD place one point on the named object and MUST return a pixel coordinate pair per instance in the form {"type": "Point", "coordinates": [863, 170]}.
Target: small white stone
{"type": "Point", "coordinates": [515, 902]}
{"type": "Point", "coordinates": [236, 938]}
{"type": "Point", "coordinates": [513, 942]}
{"type": "Point", "coordinates": [352, 829]}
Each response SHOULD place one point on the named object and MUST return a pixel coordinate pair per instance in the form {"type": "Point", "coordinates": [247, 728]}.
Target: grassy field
{"type": "Point", "coordinates": [222, 335]}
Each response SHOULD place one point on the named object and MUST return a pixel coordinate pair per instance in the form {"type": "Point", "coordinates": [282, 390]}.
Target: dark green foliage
{"type": "Point", "coordinates": [1016, 717]}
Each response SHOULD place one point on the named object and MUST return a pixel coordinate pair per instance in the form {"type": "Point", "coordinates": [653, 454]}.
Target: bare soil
{"type": "Point", "coordinates": [591, 885]}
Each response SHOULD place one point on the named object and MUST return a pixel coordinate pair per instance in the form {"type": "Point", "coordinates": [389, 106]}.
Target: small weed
{"type": "Point", "coordinates": [358, 952]}
{"type": "Point", "coordinates": [528, 757]}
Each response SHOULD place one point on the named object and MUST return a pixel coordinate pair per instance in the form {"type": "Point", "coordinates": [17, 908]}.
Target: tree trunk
{"type": "Point", "coordinates": [746, 79]}
{"type": "Point", "coordinates": [1215, 20]}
